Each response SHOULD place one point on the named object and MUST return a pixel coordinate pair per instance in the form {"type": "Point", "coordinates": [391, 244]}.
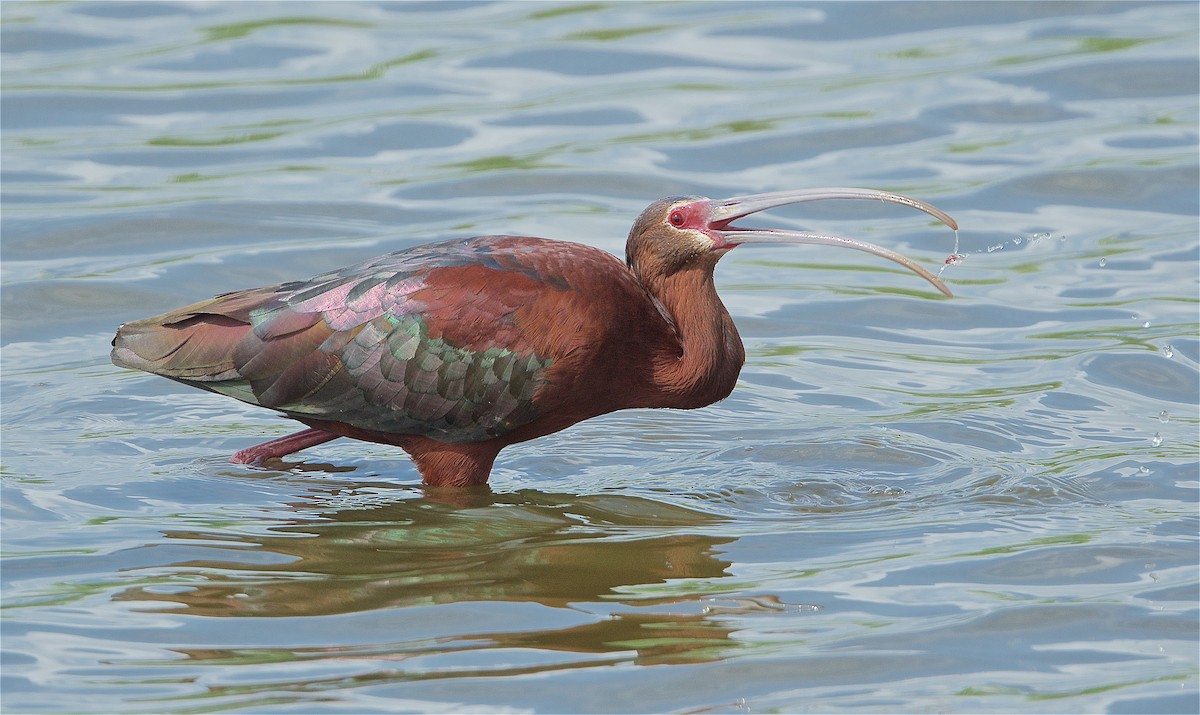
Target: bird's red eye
{"type": "Point", "coordinates": [676, 218]}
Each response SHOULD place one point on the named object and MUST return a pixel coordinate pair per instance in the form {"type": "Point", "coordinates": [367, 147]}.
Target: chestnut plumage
{"type": "Point", "coordinates": [454, 350]}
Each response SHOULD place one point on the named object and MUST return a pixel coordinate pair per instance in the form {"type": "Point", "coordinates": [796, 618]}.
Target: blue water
{"type": "Point", "coordinates": [909, 504]}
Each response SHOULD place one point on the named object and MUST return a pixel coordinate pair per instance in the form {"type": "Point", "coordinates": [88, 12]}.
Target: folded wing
{"type": "Point", "coordinates": [423, 341]}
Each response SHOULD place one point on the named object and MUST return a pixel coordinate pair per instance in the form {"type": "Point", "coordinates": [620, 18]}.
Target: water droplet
{"type": "Point", "coordinates": [1157, 439]}
{"type": "Point", "coordinates": [1103, 262]}
{"type": "Point", "coordinates": [996, 247]}
{"type": "Point", "coordinates": [1164, 416]}
{"type": "Point", "coordinates": [1146, 324]}
{"type": "Point", "coordinates": [1017, 241]}
{"type": "Point", "coordinates": [1168, 351]}
{"type": "Point", "coordinates": [1143, 470]}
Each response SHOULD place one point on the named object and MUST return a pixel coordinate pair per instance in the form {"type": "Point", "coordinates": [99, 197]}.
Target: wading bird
{"type": "Point", "coordinates": [454, 350]}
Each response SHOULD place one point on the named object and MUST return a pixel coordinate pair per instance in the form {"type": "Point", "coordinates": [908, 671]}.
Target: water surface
{"type": "Point", "coordinates": [909, 503]}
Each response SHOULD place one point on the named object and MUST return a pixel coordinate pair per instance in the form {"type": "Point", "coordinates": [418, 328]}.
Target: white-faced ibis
{"type": "Point", "coordinates": [454, 350]}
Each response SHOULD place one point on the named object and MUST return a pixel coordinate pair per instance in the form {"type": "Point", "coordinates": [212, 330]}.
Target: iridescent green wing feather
{"type": "Point", "coordinates": [416, 342]}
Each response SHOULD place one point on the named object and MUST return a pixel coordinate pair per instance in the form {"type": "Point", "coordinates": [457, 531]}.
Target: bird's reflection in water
{"type": "Point", "coordinates": [457, 546]}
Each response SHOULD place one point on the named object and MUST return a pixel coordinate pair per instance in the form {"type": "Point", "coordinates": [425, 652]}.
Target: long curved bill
{"type": "Point", "coordinates": [725, 211]}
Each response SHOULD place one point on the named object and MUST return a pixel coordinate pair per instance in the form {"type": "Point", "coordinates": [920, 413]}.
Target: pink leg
{"type": "Point", "coordinates": [283, 446]}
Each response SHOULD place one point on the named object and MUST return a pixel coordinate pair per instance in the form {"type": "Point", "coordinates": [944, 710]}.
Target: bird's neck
{"type": "Point", "coordinates": [702, 366]}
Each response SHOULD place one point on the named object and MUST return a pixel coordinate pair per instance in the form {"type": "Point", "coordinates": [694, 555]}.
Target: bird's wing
{"type": "Point", "coordinates": [416, 342]}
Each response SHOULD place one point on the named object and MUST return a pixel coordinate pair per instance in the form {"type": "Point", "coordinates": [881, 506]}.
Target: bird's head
{"type": "Point", "coordinates": [689, 232]}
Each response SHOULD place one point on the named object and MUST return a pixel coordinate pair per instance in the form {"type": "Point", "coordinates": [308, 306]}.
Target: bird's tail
{"type": "Point", "coordinates": [196, 343]}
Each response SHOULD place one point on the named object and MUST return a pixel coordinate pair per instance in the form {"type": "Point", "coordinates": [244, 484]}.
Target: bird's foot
{"type": "Point", "coordinates": [282, 447]}
{"type": "Point", "coordinates": [250, 455]}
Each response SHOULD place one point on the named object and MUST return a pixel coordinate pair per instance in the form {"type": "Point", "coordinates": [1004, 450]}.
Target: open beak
{"type": "Point", "coordinates": [724, 212]}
